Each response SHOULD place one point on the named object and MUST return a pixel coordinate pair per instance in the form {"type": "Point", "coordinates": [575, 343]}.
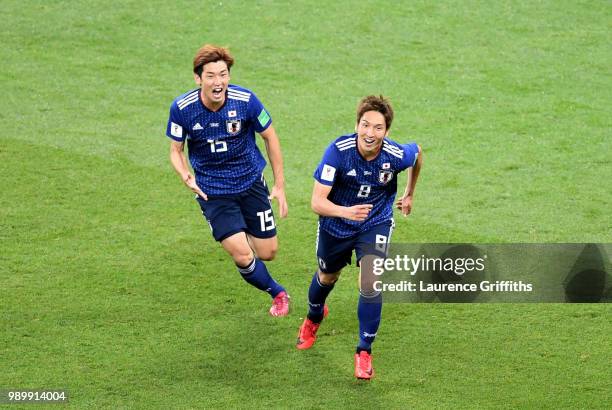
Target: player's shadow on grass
{"type": "Point", "coordinates": [587, 280]}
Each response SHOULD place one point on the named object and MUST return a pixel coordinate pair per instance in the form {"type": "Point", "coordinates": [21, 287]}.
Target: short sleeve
{"type": "Point", "coordinates": [328, 168]}
{"type": "Point", "coordinates": [259, 116]}
{"type": "Point", "coordinates": [175, 128]}
{"type": "Point", "coordinates": [411, 153]}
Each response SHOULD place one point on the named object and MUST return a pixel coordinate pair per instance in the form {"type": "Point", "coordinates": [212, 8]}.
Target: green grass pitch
{"type": "Point", "coordinates": [112, 287]}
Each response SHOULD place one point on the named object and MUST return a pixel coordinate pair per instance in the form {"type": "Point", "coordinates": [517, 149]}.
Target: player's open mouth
{"type": "Point", "coordinates": [369, 141]}
{"type": "Point", "coordinates": [217, 92]}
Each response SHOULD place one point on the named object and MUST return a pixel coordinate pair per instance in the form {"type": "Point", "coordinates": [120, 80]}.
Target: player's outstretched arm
{"type": "Point", "coordinates": [404, 204]}
{"type": "Point", "coordinates": [276, 161]}
{"type": "Point", "coordinates": [179, 162]}
{"type": "Point", "coordinates": [323, 206]}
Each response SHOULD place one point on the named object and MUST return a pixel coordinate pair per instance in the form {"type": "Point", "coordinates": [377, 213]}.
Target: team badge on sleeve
{"type": "Point", "coordinates": [176, 130]}
{"type": "Point", "coordinates": [233, 126]}
{"type": "Point", "coordinates": [384, 176]}
{"type": "Point", "coordinates": [263, 117]}
{"type": "Point", "coordinates": [328, 173]}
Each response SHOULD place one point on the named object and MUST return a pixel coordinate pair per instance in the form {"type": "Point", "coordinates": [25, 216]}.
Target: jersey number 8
{"type": "Point", "coordinates": [364, 191]}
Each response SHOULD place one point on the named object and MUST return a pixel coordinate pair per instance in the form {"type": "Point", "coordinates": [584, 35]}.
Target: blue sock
{"type": "Point", "coordinates": [369, 310]}
{"type": "Point", "coordinates": [257, 275]}
{"type": "Point", "coordinates": [317, 293]}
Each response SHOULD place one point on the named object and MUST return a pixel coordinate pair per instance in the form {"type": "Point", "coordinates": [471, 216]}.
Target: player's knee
{"type": "Point", "coordinates": [268, 254]}
{"type": "Point", "coordinates": [242, 258]}
{"type": "Point", "coordinates": [328, 279]}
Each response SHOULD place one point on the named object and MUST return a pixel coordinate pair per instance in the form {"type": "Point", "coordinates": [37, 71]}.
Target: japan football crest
{"type": "Point", "coordinates": [233, 126]}
{"type": "Point", "coordinates": [384, 176]}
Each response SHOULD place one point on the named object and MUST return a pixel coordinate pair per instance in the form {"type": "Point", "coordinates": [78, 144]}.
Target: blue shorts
{"type": "Point", "coordinates": [249, 211]}
{"type": "Point", "coordinates": [335, 253]}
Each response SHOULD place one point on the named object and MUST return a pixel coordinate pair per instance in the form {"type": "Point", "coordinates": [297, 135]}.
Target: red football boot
{"type": "Point", "coordinates": [308, 332]}
{"type": "Point", "coordinates": [280, 305]}
{"type": "Point", "coordinates": [363, 365]}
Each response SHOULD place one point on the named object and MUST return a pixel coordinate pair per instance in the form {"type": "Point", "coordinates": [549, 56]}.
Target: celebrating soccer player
{"type": "Point", "coordinates": [219, 120]}
{"type": "Point", "coordinates": [354, 190]}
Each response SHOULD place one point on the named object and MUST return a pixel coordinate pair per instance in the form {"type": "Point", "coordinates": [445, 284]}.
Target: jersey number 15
{"type": "Point", "coordinates": [266, 220]}
{"type": "Point", "coordinates": [217, 146]}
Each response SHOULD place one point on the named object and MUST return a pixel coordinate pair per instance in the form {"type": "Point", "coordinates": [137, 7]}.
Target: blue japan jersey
{"type": "Point", "coordinates": [222, 148]}
{"type": "Point", "coordinates": [357, 181]}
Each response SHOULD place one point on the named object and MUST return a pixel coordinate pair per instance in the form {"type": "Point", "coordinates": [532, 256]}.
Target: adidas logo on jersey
{"type": "Point", "coordinates": [352, 173]}
{"type": "Point", "coordinates": [197, 127]}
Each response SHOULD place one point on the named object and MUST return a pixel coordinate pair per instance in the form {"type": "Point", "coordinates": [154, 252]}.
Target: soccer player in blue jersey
{"type": "Point", "coordinates": [218, 120]}
{"type": "Point", "coordinates": [354, 190]}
